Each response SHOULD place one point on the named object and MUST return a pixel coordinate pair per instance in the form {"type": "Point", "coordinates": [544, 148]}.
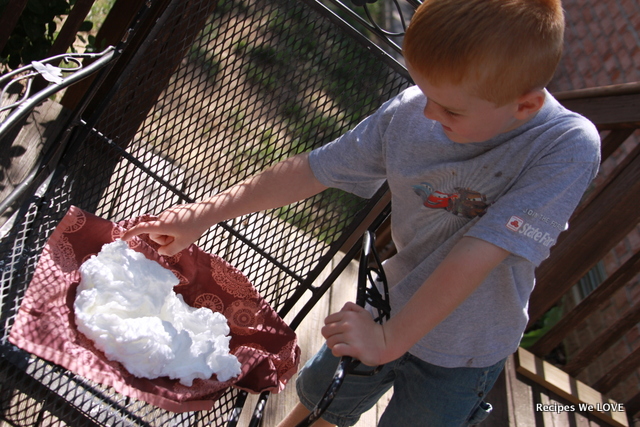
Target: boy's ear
{"type": "Point", "coordinates": [530, 103]}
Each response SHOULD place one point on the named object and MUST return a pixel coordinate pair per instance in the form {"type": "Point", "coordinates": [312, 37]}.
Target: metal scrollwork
{"type": "Point", "coordinates": [59, 78]}
{"type": "Point", "coordinates": [397, 14]}
{"type": "Point", "coordinates": [23, 77]}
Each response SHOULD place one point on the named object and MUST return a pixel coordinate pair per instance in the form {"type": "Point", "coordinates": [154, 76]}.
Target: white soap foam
{"type": "Point", "coordinates": [126, 305]}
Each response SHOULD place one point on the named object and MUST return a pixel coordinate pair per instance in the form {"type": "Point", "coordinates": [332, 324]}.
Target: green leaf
{"type": "Point", "coordinates": [14, 60]}
{"type": "Point", "coordinates": [34, 29]}
{"type": "Point", "coordinates": [35, 51]}
{"type": "Point", "coordinates": [37, 7]}
{"type": "Point", "coordinates": [86, 26]}
{"type": "Point", "coordinates": [60, 7]}
{"type": "Point", "coordinates": [549, 320]}
{"type": "Point", "coordinates": [52, 26]}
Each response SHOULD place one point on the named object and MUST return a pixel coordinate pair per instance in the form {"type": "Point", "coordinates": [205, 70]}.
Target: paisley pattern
{"type": "Point", "coordinates": [80, 351]}
{"type": "Point", "coordinates": [255, 346]}
{"type": "Point", "coordinates": [183, 280]}
{"type": "Point", "coordinates": [231, 280]}
{"type": "Point", "coordinates": [76, 222]}
{"type": "Point", "coordinates": [174, 259]}
{"type": "Point", "coordinates": [45, 327]}
{"type": "Point", "coordinates": [64, 256]}
{"type": "Point", "coordinates": [117, 232]}
{"type": "Point", "coordinates": [210, 301]}
{"type": "Point", "coordinates": [264, 345]}
{"type": "Point", "coordinates": [86, 258]}
{"type": "Point", "coordinates": [244, 317]}
{"type": "Point", "coordinates": [286, 358]}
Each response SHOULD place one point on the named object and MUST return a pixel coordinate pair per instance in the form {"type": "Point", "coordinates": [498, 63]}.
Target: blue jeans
{"type": "Point", "coordinates": [423, 394]}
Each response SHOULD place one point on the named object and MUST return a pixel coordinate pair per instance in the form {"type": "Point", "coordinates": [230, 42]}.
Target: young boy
{"type": "Point", "coordinates": [485, 169]}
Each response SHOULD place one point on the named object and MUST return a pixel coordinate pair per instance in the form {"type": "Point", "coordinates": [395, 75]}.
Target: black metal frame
{"type": "Point", "coordinates": [368, 293]}
{"type": "Point", "coordinates": [37, 217]}
{"type": "Point", "coordinates": [48, 161]}
{"type": "Point", "coordinates": [390, 37]}
{"type": "Point", "coordinates": [23, 107]}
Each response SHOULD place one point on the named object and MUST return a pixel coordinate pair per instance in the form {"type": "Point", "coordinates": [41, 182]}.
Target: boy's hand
{"type": "Point", "coordinates": [284, 183]}
{"type": "Point", "coordinates": [287, 182]}
{"type": "Point", "coordinates": [174, 229]}
{"type": "Point", "coordinates": [352, 332]}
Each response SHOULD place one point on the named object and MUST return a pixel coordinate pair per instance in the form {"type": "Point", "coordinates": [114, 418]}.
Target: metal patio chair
{"type": "Point", "coordinates": [372, 291]}
{"type": "Point", "coordinates": [204, 96]}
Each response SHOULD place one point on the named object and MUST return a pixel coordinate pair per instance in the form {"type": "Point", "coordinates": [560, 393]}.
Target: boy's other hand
{"type": "Point", "coordinates": [352, 332]}
{"type": "Point", "coordinates": [174, 230]}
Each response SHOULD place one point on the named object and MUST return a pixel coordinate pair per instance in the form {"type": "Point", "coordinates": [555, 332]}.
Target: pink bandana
{"type": "Point", "coordinates": [265, 346]}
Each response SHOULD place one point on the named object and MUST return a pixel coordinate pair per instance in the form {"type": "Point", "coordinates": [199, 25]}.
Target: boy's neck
{"type": "Point", "coordinates": [532, 113]}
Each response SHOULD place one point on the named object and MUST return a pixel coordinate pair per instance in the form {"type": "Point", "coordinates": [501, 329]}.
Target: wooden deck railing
{"type": "Point", "coordinates": [109, 33]}
{"type": "Point", "coordinates": [67, 35]}
{"type": "Point", "coordinates": [606, 216]}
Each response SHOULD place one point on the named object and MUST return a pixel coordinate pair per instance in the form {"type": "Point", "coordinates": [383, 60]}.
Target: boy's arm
{"type": "Point", "coordinates": [284, 183]}
{"type": "Point", "coordinates": [352, 332]}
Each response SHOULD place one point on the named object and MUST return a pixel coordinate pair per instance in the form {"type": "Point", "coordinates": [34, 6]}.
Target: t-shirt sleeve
{"type": "Point", "coordinates": [355, 162]}
{"type": "Point", "coordinates": [528, 218]}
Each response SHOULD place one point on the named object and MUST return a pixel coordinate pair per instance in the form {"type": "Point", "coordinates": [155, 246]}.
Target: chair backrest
{"type": "Point", "coordinates": [212, 95]}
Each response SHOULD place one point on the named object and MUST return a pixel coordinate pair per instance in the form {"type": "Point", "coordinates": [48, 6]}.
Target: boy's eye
{"type": "Point", "coordinates": [451, 113]}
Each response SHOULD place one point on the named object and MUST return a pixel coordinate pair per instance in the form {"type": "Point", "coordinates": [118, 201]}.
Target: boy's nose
{"type": "Point", "coordinates": [430, 112]}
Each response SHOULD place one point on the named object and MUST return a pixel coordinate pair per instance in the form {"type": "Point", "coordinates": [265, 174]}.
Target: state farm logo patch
{"type": "Point", "coordinates": [515, 223]}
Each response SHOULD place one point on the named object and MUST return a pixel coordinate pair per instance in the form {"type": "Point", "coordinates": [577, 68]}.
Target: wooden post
{"type": "Point", "coordinates": [619, 372]}
{"type": "Point", "coordinates": [157, 52]}
{"type": "Point", "coordinates": [613, 140]}
{"type": "Point", "coordinates": [598, 227]}
{"type": "Point", "coordinates": [603, 341]}
{"type": "Point", "coordinates": [109, 34]}
{"type": "Point", "coordinates": [9, 19]}
{"type": "Point", "coordinates": [583, 397]}
{"type": "Point", "coordinates": [67, 35]}
{"type": "Point", "coordinates": [587, 306]}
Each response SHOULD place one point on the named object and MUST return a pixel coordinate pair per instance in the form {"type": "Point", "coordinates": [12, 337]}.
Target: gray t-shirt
{"type": "Point", "coordinates": [516, 191]}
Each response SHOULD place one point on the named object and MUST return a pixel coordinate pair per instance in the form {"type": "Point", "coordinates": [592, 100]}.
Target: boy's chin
{"type": "Point", "coordinates": [453, 137]}
{"type": "Point", "coordinates": [459, 139]}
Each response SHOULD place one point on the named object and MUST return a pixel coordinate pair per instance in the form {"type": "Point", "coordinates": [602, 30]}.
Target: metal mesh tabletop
{"type": "Point", "coordinates": [259, 81]}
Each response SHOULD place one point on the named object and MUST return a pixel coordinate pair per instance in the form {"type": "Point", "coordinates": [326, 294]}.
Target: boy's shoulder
{"type": "Point", "coordinates": [560, 128]}
{"type": "Point", "coordinates": [561, 114]}
{"type": "Point", "coordinates": [404, 109]}
{"type": "Point", "coordinates": [410, 96]}
{"type": "Point", "coordinates": [576, 122]}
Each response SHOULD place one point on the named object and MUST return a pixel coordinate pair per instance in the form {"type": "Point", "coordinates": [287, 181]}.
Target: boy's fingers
{"type": "Point", "coordinates": [330, 329]}
{"type": "Point", "coordinates": [143, 227]}
{"type": "Point", "coordinates": [169, 250]}
{"type": "Point", "coordinates": [340, 349]}
{"type": "Point", "coordinates": [332, 341]}
{"type": "Point", "coordinates": [333, 318]}
{"type": "Point", "coordinates": [340, 345]}
{"type": "Point", "coordinates": [339, 315]}
{"type": "Point", "coordinates": [352, 306]}
{"type": "Point", "coordinates": [161, 239]}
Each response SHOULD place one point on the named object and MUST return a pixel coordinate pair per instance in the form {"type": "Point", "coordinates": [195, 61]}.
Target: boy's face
{"type": "Point", "coordinates": [466, 118]}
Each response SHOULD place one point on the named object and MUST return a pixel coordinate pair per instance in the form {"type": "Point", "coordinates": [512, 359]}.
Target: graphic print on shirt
{"type": "Point", "coordinates": [463, 202]}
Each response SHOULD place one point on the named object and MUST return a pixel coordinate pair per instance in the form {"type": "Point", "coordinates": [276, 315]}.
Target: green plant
{"type": "Point", "coordinates": [544, 325]}
{"type": "Point", "coordinates": [35, 31]}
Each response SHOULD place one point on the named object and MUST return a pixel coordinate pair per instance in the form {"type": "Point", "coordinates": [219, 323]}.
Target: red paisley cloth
{"type": "Point", "coordinates": [45, 326]}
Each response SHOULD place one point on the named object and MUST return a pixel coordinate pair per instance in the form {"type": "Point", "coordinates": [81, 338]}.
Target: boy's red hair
{"type": "Point", "coordinates": [498, 49]}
